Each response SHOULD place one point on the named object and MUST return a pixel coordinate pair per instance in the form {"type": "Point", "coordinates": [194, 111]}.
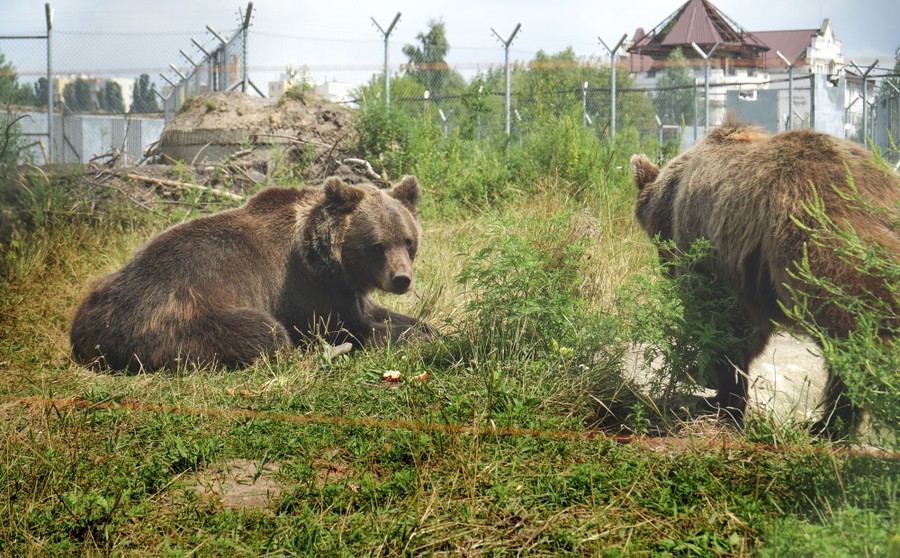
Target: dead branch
{"type": "Point", "coordinates": [330, 155]}
{"type": "Point", "coordinates": [113, 157]}
{"type": "Point", "coordinates": [44, 151]}
{"type": "Point", "coordinates": [240, 153]}
{"type": "Point", "coordinates": [101, 181]}
{"type": "Point", "coordinates": [194, 161]}
{"type": "Point", "coordinates": [244, 172]}
{"type": "Point", "coordinates": [290, 139]}
{"type": "Point", "coordinates": [182, 185]}
{"type": "Point", "coordinates": [363, 163]}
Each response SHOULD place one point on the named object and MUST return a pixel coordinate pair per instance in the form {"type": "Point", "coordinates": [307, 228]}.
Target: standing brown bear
{"type": "Point", "coordinates": [744, 191]}
{"type": "Point", "coordinates": [225, 288]}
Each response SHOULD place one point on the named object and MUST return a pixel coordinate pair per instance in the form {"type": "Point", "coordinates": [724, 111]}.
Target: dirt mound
{"type": "Point", "coordinates": [224, 145]}
{"type": "Point", "coordinates": [304, 136]}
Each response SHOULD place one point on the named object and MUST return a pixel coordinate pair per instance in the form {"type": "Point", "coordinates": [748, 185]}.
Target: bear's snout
{"type": "Point", "coordinates": [400, 283]}
{"type": "Point", "coordinates": [397, 275]}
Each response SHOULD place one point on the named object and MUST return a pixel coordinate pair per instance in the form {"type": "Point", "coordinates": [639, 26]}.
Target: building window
{"type": "Point", "coordinates": [729, 67]}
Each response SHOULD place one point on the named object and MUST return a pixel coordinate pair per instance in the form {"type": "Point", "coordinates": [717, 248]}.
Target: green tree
{"type": "Point", "coordinates": [675, 99]}
{"type": "Point", "coordinates": [403, 88]}
{"type": "Point", "coordinates": [78, 96]}
{"type": "Point", "coordinates": [545, 76]}
{"type": "Point", "coordinates": [428, 65]}
{"type": "Point", "coordinates": [11, 91]}
{"type": "Point", "coordinates": [40, 92]}
{"type": "Point", "coordinates": [554, 85]}
{"type": "Point", "coordinates": [111, 98]}
{"type": "Point", "coordinates": [144, 97]}
{"type": "Point", "coordinates": [480, 111]}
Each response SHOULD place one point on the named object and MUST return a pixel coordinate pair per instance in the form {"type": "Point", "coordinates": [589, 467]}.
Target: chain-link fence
{"type": "Point", "coordinates": [670, 101]}
{"type": "Point", "coordinates": [22, 133]}
{"type": "Point", "coordinates": [223, 67]}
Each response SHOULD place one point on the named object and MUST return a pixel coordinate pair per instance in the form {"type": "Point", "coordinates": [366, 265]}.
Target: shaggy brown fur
{"type": "Point", "coordinates": [225, 288]}
{"type": "Point", "coordinates": [740, 188]}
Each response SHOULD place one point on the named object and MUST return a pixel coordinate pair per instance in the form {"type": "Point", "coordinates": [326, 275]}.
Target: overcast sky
{"type": "Point", "coordinates": [336, 39]}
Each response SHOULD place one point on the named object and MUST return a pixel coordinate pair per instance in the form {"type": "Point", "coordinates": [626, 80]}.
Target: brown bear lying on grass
{"type": "Point", "coordinates": [225, 288]}
{"type": "Point", "coordinates": [741, 189]}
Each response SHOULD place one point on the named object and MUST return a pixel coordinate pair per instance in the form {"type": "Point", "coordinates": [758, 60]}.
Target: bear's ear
{"type": "Point", "coordinates": [340, 197]}
{"type": "Point", "coordinates": [407, 193]}
{"type": "Point", "coordinates": [643, 170]}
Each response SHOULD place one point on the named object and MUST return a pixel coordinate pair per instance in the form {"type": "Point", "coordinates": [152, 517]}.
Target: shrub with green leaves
{"type": "Point", "coordinates": [528, 330]}
{"type": "Point", "coordinates": [461, 173]}
{"type": "Point", "coordinates": [13, 148]}
{"type": "Point", "coordinates": [868, 359]}
{"type": "Point", "coordinates": [683, 318]}
{"type": "Point", "coordinates": [385, 136]}
{"type": "Point", "coordinates": [524, 284]}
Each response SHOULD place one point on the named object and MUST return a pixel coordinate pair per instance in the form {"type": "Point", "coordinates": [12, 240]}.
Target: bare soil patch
{"type": "Point", "coordinates": [239, 483]}
{"type": "Point", "coordinates": [263, 136]}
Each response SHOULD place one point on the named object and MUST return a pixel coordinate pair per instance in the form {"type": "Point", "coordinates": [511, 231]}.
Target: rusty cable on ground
{"type": "Point", "coordinates": [588, 435]}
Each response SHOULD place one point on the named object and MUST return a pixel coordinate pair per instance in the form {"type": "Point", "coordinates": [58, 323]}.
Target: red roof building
{"type": "Point", "coordinates": [698, 21]}
{"type": "Point", "coordinates": [743, 61]}
{"type": "Point", "coordinates": [816, 49]}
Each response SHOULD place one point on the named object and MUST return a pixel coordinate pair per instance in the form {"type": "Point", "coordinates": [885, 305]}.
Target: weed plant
{"type": "Point", "coordinates": [868, 359]}
{"type": "Point", "coordinates": [683, 320]}
{"type": "Point", "coordinates": [462, 174]}
{"type": "Point", "coordinates": [527, 318]}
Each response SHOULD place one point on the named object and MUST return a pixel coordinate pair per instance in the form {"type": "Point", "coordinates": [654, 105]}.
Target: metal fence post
{"type": "Point", "coordinates": [706, 56]}
{"type": "Point", "coordinates": [506, 44]}
{"type": "Point", "coordinates": [696, 117]}
{"type": "Point", "coordinates": [790, 68]}
{"type": "Point", "coordinates": [584, 114]}
{"type": "Point", "coordinates": [865, 91]}
{"type": "Point", "coordinates": [51, 137]}
{"type": "Point", "coordinates": [612, 87]}
{"type": "Point", "coordinates": [387, 77]}
{"type": "Point", "coordinates": [244, 34]}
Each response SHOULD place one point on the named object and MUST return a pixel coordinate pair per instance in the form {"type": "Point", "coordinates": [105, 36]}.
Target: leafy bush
{"type": "Point", "coordinates": [684, 320]}
{"type": "Point", "coordinates": [12, 145]}
{"type": "Point", "coordinates": [566, 148]}
{"type": "Point", "coordinates": [868, 359]}
{"type": "Point", "coordinates": [528, 330]}
{"type": "Point", "coordinates": [460, 172]}
{"type": "Point", "coordinates": [524, 284]}
{"type": "Point", "coordinates": [463, 174]}
{"type": "Point", "coordinates": [385, 136]}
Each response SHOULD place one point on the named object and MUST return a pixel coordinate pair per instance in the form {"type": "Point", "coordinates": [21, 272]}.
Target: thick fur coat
{"type": "Point", "coordinates": [225, 288]}
{"type": "Point", "coordinates": [744, 191]}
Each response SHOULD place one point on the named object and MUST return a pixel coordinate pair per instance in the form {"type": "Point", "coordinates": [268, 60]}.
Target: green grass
{"type": "Point", "coordinates": [490, 456]}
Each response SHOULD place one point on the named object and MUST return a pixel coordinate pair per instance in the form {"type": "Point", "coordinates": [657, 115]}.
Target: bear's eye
{"type": "Point", "coordinates": [409, 244]}
{"type": "Point", "coordinates": [377, 249]}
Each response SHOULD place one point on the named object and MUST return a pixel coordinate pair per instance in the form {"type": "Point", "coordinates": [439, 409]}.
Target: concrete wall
{"type": "Point", "coordinates": [760, 107]}
{"type": "Point", "coordinates": [81, 137]}
{"type": "Point", "coordinates": [827, 113]}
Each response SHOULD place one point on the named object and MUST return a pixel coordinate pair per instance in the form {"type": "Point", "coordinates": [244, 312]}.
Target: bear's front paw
{"type": "Point", "coordinates": [422, 331]}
